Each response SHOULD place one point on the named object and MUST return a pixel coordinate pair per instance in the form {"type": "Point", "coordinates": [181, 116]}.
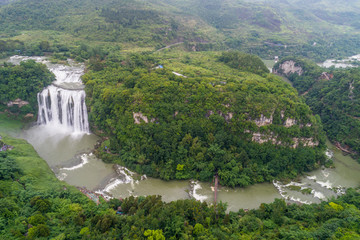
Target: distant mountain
{"type": "Point", "coordinates": [266, 28]}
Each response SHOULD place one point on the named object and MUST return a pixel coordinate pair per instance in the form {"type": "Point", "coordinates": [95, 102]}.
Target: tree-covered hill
{"type": "Point", "coordinates": [334, 95]}
{"type": "Point", "coordinates": [215, 118]}
{"type": "Point", "coordinates": [318, 30]}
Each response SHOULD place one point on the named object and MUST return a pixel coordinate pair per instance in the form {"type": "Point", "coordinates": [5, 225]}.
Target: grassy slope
{"type": "Point", "coordinates": [9, 125]}
{"type": "Point", "coordinates": [35, 168]}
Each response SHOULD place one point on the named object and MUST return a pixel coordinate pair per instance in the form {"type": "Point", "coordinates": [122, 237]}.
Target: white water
{"type": "Point", "coordinates": [343, 63]}
{"type": "Point", "coordinates": [62, 108]}
{"type": "Point", "coordinates": [62, 104]}
{"type": "Point", "coordinates": [62, 136]}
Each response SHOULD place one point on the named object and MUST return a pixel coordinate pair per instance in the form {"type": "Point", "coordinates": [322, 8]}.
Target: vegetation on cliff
{"type": "Point", "coordinates": [333, 94]}
{"type": "Point", "coordinates": [212, 120]}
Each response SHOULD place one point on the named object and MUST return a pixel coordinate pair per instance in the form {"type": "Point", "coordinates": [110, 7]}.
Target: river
{"type": "Point", "coordinates": [67, 149]}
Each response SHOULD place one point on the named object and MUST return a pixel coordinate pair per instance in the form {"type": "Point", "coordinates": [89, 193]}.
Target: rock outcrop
{"type": "Point", "coordinates": [263, 138]}
{"type": "Point", "coordinates": [227, 116]}
{"type": "Point", "coordinates": [20, 103]}
{"type": "Point", "coordinates": [289, 67]}
{"type": "Point", "coordinates": [326, 76]}
{"type": "Point", "coordinates": [290, 122]}
{"type": "Point", "coordinates": [29, 115]}
{"type": "Point", "coordinates": [263, 121]}
{"type": "Point", "coordinates": [139, 116]}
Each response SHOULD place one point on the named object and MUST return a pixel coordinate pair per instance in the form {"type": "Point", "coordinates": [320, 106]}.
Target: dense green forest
{"type": "Point", "coordinates": [266, 28]}
{"type": "Point", "coordinates": [170, 101]}
{"type": "Point", "coordinates": [23, 82]}
{"type": "Point", "coordinates": [223, 120]}
{"type": "Point", "coordinates": [335, 97]}
{"type": "Point", "coordinates": [35, 205]}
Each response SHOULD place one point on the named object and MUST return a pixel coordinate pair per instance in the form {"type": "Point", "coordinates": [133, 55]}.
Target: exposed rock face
{"type": "Point", "coordinates": [306, 142]}
{"type": "Point", "coordinates": [227, 116]}
{"type": "Point", "coordinates": [306, 125]}
{"type": "Point", "coordinates": [263, 138]}
{"type": "Point", "coordinates": [18, 102]}
{"type": "Point", "coordinates": [326, 76]}
{"type": "Point", "coordinates": [290, 122]}
{"type": "Point", "coordinates": [351, 90]}
{"type": "Point", "coordinates": [263, 121]}
{"type": "Point", "coordinates": [139, 116]}
{"type": "Point", "coordinates": [29, 115]}
{"type": "Point", "coordinates": [289, 67]}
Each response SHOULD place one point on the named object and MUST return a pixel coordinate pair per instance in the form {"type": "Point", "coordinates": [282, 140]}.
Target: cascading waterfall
{"type": "Point", "coordinates": [63, 108]}
{"type": "Point", "coordinates": [62, 104]}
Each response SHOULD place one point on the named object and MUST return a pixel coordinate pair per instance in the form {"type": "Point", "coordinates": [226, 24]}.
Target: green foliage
{"type": "Point", "coordinates": [154, 234]}
{"type": "Point", "coordinates": [39, 231]}
{"type": "Point", "coordinates": [176, 127]}
{"type": "Point", "coordinates": [182, 219]}
{"type": "Point", "coordinates": [334, 100]}
{"type": "Point", "coordinates": [8, 167]}
{"type": "Point", "coordinates": [244, 62]}
{"type": "Point", "coordinates": [24, 81]}
{"type": "Point", "coordinates": [267, 29]}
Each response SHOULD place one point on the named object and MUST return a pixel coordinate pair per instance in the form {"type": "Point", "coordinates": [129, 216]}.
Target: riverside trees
{"type": "Point", "coordinates": [36, 205]}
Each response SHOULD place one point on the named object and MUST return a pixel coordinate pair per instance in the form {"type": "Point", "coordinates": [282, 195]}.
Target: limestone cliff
{"type": "Point", "coordinates": [287, 68]}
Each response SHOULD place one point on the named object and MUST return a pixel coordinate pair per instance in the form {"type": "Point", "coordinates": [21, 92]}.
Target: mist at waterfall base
{"type": "Point", "coordinates": [65, 143]}
{"type": "Point", "coordinates": [61, 135]}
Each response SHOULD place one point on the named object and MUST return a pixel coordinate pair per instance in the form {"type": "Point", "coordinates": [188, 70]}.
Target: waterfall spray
{"type": "Point", "coordinates": [62, 104]}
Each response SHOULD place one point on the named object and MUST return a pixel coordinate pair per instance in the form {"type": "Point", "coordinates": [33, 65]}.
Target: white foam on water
{"type": "Point", "coordinates": [17, 59]}
{"type": "Point", "coordinates": [326, 184]}
{"type": "Point", "coordinates": [325, 173]}
{"type": "Point", "coordinates": [125, 177]}
{"type": "Point", "coordinates": [104, 195]}
{"type": "Point", "coordinates": [62, 176]}
{"type": "Point", "coordinates": [299, 200]}
{"type": "Point", "coordinates": [282, 188]}
{"type": "Point", "coordinates": [318, 195]}
{"type": "Point", "coordinates": [112, 185]}
{"type": "Point", "coordinates": [84, 160]}
{"type": "Point", "coordinates": [194, 194]}
{"type": "Point", "coordinates": [311, 177]}
{"type": "Point", "coordinates": [329, 154]}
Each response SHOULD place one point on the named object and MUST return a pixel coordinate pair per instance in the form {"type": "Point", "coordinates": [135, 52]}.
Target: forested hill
{"type": "Point", "coordinates": [333, 94]}
{"type": "Point", "coordinates": [244, 124]}
{"type": "Point", "coordinates": [266, 28]}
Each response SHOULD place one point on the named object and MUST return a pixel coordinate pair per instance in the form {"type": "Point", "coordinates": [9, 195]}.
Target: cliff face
{"type": "Point", "coordinates": [288, 67]}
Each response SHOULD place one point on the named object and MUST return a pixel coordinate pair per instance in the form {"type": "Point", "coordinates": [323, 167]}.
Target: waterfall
{"type": "Point", "coordinates": [62, 104]}
{"type": "Point", "coordinates": [63, 108]}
